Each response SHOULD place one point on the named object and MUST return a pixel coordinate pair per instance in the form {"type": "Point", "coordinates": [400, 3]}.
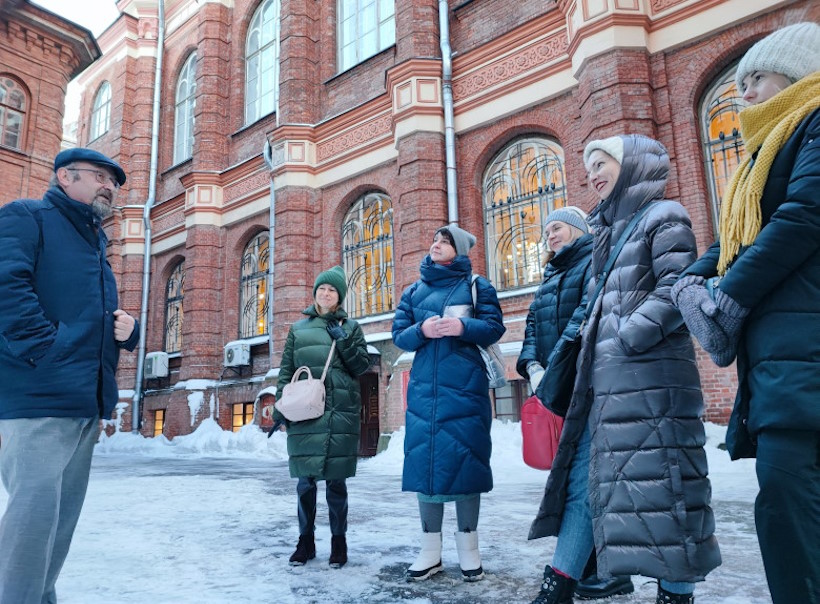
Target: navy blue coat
{"type": "Point", "coordinates": [447, 440]}
{"type": "Point", "coordinates": [778, 278]}
{"type": "Point", "coordinates": [58, 355]}
{"type": "Point", "coordinates": [559, 296]}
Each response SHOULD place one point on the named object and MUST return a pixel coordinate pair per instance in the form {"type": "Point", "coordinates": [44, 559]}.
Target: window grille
{"type": "Point", "coordinates": [174, 293]}
{"type": "Point", "coordinates": [253, 284]}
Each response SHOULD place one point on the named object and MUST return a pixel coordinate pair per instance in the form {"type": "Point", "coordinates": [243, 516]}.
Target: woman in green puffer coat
{"type": "Point", "coordinates": [325, 448]}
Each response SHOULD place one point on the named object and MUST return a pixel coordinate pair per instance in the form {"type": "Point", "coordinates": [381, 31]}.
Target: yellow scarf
{"type": "Point", "coordinates": [765, 128]}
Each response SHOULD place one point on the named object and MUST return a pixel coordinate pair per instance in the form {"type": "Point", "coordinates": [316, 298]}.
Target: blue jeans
{"type": "Point", "coordinates": [336, 494]}
{"type": "Point", "coordinates": [575, 541]}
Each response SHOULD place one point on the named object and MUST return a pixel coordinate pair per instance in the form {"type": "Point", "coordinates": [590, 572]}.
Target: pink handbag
{"type": "Point", "coordinates": [541, 432]}
{"type": "Point", "coordinates": [304, 399]}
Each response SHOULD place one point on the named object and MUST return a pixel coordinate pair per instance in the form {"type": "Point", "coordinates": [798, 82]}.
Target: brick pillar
{"type": "Point", "coordinates": [415, 37]}
{"type": "Point", "coordinates": [421, 205]}
{"type": "Point", "coordinates": [203, 303]}
{"type": "Point", "coordinates": [300, 80]}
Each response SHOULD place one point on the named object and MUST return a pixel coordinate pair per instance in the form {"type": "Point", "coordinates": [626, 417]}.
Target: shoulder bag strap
{"type": "Point", "coordinates": [330, 355]}
{"type": "Point", "coordinates": [613, 256]}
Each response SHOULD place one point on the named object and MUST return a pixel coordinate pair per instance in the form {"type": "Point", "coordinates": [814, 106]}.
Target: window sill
{"type": "Point", "coordinates": [250, 126]}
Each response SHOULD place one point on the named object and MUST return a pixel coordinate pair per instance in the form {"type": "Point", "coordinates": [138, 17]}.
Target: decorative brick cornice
{"type": "Point", "coordinates": [369, 131]}
{"type": "Point", "coordinates": [662, 5]}
{"type": "Point", "coordinates": [510, 67]}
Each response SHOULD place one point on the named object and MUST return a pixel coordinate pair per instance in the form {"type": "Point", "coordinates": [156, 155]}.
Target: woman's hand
{"type": "Point", "coordinates": [449, 326]}
{"type": "Point", "coordinates": [428, 328]}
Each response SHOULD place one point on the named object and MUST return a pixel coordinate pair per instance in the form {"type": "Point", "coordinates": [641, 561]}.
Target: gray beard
{"type": "Point", "coordinates": [101, 209]}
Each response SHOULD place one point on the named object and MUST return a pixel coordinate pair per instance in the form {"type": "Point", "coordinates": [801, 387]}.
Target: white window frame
{"type": "Point", "coordinates": [364, 28]}
{"type": "Point", "coordinates": [184, 105]}
{"type": "Point", "coordinates": [100, 112]}
{"type": "Point", "coordinates": [262, 62]}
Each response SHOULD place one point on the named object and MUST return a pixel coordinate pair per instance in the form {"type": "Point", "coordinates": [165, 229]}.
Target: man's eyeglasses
{"type": "Point", "coordinates": [101, 176]}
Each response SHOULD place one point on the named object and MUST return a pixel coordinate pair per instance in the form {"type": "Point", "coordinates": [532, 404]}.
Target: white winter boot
{"type": "Point", "coordinates": [468, 557]}
{"type": "Point", "coordinates": [428, 562]}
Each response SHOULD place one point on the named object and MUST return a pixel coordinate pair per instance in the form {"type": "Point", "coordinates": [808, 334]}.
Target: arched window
{"type": "Point", "coordinates": [365, 28]}
{"type": "Point", "coordinates": [253, 288]}
{"type": "Point", "coordinates": [723, 145]}
{"type": "Point", "coordinates": [523, 184]}
{"type": "Point", "coordinates": [12, 112]}
{"type": "Point", "coordinates": [262, 62]}
{"type": "Point", "coordinates": [185, 102]}
{"type": "Point", "coordinates": [367, 253]}
{"type": "Point", "coordinates": [174, 291]}
{"type": "Point", "coordinates": [100, 111]}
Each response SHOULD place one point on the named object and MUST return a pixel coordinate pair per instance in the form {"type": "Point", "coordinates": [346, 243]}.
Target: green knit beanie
{"type": "Point", "coordinates": [336, 278]}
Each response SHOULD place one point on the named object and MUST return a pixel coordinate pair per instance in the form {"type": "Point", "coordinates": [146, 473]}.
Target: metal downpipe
{"type": "Point", "coordinates": [136, 409]}
{"type": "Point", "coordinates": [447, 98]}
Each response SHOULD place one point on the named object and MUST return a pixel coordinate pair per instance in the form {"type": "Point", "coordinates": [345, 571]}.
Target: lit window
{"type": "Point", "coordinates": [159, 421]}
{"type": "Point", "coordinates": [262, 62]}
{"type": "Point", "coordinates": [253, 284]}
{"type": "Point", "coordinates": [12, 113]}
{"type": "Point", "coordinates": [723, 145]}
{"type": "Point", "coordinates": [174, 291]}
{"type": "Point", "coordinates": [366, 27]}
{"type": "Point", "coordinates": [367, 251]}
{"type": "Point", "coordinates": [242, 415]}
{"type": "Point", "coordinates": [185, 103]}
{"type": "Point", "coordinates": [101, 111]}
{"type": "Point", "coordinates": [523, 184]}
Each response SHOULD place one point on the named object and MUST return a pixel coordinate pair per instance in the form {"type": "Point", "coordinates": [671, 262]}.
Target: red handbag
{"type": "Point", "coordinates": [541, 431]}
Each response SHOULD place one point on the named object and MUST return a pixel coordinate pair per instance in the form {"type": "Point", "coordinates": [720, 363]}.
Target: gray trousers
{"type": "Point", "coordinates": [44, 466]}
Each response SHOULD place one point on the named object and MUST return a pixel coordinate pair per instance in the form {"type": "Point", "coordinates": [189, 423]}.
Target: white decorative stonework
{"type": "Point", "coordinates": [662, 5]}
{"type": "Point", "coordinates": [510, 67]}
{"type": "Point", "coordinates": [357, 136]}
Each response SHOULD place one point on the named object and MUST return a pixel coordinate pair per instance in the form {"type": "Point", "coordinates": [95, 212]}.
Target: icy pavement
{"type": "Point", "coordinates": [211, 518]}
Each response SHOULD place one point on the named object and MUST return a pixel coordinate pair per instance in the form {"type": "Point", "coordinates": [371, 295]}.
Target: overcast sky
{"type": "Point", "coordinates": [95, 15]}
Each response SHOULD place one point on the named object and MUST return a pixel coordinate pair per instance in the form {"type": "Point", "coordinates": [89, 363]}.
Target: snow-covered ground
{"type": "Point", "coordinates": [211, 518]}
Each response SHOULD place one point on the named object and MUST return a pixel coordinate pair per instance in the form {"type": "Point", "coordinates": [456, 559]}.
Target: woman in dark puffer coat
{"type": "Point", "coordinates": [447, 441]}
{"type": "Point", "coordinates": [630, 476]}
{"type": "Point", "coordinates": [566, 276]}
{"type": "Point", "coordinates": [325, 448]}
{"type": "Point", "coordinates": [766, 305]}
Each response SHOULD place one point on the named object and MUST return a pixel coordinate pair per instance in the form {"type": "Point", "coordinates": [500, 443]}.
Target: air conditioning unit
{"type": "Point", "coordinates": [156, 365]}
{"type": "Point", "coordinates": [237, 354]}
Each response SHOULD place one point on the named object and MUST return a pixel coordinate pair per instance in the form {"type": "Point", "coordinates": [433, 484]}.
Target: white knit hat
{"type": "Point", "coordinates": [613, 146]}
{"type": "Point", "coordinates": [792, 51]}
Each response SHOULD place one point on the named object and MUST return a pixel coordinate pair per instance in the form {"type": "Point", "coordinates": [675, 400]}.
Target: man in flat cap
{"type": "Point", "coordinates": [61, 331]}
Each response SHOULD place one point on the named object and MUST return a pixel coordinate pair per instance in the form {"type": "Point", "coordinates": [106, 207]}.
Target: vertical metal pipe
{"type": "Point", "coordinates": [267, 153]}
{"type": "Point", "coordinates": [136, 409]}
{"type": "Point", "coordinates": [447, 98]}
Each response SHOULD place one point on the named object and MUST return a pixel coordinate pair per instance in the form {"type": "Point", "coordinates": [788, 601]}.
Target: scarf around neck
{"type": "Point", "coordinates": [765, 129]}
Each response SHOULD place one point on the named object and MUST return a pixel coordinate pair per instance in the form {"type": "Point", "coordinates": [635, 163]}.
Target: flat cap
{"type": "Point", "coordinates": [69, 156]}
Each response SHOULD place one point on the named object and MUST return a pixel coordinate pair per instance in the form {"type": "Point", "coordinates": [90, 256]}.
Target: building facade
{"type": "Point", "coordinates": [331, 112]}
{"type": "Point", "coordinates": [40, 52]}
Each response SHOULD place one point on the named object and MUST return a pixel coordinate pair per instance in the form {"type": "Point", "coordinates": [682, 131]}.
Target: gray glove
{"type": "Point", "coordinates": [729, 318]}
{"type": "Point", "coordinates": [536, 373]}
{"type": "Point", "coordinates": [699, 313]}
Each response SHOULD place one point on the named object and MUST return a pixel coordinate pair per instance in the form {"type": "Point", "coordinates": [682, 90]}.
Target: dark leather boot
{"type": "Point", "coordinates": [594, 587]}
{"type": "Point", "coordinates": [555, 589]}
{"type": "Point", "coordinates": [338, 551]}
{"type": "Point", "coordinates": [665, 597]}
{"type": "Point", "coordinates": [305, 550]}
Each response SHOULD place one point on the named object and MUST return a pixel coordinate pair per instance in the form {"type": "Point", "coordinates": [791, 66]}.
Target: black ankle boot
{"type": "Point", "coordinates": [338, 551]}
{"type": "Point", "coordinates": [665, 597]}
{"type": "Point", "coordinates": [305, 550]}
{"type": "Point", "coordinates": [555, 589]}
{"type": "Point", "coordinates": [593, 587]}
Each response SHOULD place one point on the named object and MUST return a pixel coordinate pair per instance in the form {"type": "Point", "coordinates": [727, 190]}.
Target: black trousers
{"type": "Point", "coordinates": [336, 494]}
{"type": "Point", "coordinates": [787, 513]}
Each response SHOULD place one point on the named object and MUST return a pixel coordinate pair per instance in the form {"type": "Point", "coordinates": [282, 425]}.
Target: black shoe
{"type": "Point", "coordinates": [555, 589]}
{"type": "Point", "coordinates": [666, 597]}
{"type": "Point", "coordinates": [305, 550]}
{"type": "Point", "coordinates": [338, 551]}
{"type": "Point", "coordinates": [593, 587]}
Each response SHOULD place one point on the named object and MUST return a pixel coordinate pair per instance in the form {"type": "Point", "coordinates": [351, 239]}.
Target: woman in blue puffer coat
{"type": "Point", "coordinates": [447, 441]}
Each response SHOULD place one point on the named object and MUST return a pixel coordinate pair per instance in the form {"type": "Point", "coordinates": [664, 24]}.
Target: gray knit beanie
{"type": "Point", "coordinates": [792, 51]}
{"type": "Point", "coordinates": [570, 215]}
{"type": "Point", "coordinates": [462, 240]}
{"type": "Point", "coordinates": [613, 146]}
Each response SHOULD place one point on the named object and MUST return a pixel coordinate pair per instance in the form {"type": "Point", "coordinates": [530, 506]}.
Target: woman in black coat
{"type": "Point", "coordinates": [630, 478]}
{"type": "Point", "coordinates": [566, 276]}
{"type": "Point", "coordinates": [765, 308]}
